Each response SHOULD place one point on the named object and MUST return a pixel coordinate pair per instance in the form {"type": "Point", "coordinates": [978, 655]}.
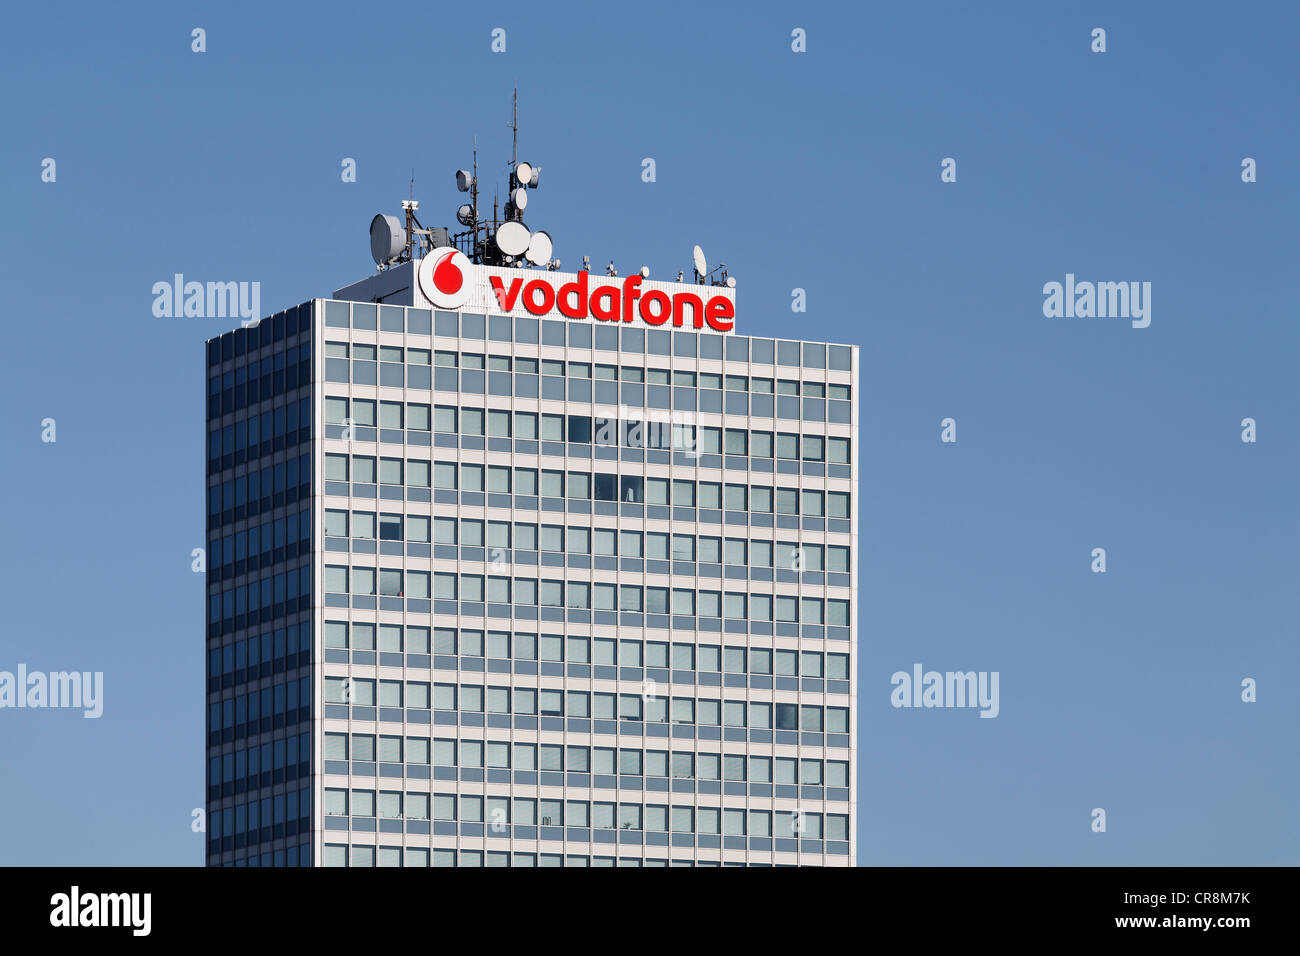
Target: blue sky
{"type": "Point", "coordinates": [818, 171]}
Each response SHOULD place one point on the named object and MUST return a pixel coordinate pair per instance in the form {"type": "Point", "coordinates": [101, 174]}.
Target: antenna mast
{"type": "Point", "coordinates": [503, 240]}
{"type": "Point", "coordinates": [473, 193]}
{"type": "Point", "coordinates": [413, 227]}
{"type": "Point", "coordinates": [514, 127]}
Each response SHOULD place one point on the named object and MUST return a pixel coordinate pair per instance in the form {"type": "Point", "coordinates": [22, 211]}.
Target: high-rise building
{"type": "Point", "coordinates": [515, 567]}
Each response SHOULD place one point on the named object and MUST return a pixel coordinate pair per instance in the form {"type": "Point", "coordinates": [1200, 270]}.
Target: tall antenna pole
{"type": "Point", "coordinates": [473, 192]}
{"type": "Point", "coordinates": [409, 207]}
{"type": "Point", "coordinates": [511, 181]}
{"type": "Point", "coordinates": [514, 126]}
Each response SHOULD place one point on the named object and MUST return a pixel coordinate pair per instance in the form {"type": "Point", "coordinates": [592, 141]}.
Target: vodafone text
{"type": "Point", "coordinates": [610, 303]}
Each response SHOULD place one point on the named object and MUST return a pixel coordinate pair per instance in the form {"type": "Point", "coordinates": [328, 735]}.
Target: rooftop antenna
{"type": "Point", "coordinates": [503, 240]}
{"type": "Point", "coordinates": [705, 276]}
{"type": "Point", "coordinates": [409, 207]}
{"type": "Point", "coordinates": [473, 196]}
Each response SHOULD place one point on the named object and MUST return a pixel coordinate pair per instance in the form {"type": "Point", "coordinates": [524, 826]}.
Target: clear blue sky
{"type": "Point", "coordinates": [817, 170]}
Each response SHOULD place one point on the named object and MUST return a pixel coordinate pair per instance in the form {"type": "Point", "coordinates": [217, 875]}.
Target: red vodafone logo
{"type": "Point", "coordinates": [444, 278]}
{"type": "Point", "coordinates": [616, 303]}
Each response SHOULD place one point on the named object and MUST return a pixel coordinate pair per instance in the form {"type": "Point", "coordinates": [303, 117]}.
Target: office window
{"type": "Point", "coordinates": [578, 485]}
{"type": "Point", "coordinates": [444, 418]}
{"type": "Point", "coordinates": [390, 414]}
{"type": "Point", "coordinates": [336, 802]}
{"type": "Point", "coordinates": [837, 613]}
{"type": "Point", "coordinates": [336, 523]}
{"type": "Point", "coordinates": [656, 600]}
{"type": "Point", "coordinates": [417, 417]}
{"type": "Point", "coordinates": [336, 467]}
{"type": "Point", "coordinates": [363, 412]}
{"type": "Point", "coordinates": [811, 663]}
{"type": "Point", "coordinates": [708, 766]}
{"type": "Point", "coordinates": [417, 528]}
{"type": "Point", "coordinates": [471, 477]}
{"type": "Point", "coordinates": [837, 666]}
{"type": "Point", "coordinates": [336, 579]}
{"type": "Point", "coordinates": [390, 527]}
{"type": "Point", "coordinates": [710, 494]}
{"type": "Point", "coordinates": [837, 504]}
{"type": "Point", "coordinates": [656, 546]}
{"type": "Point", "coordinates": [602, 541]}
{"type": "Point", "coordinates": [684, 493]}
{"type": "Point", "coordinates": [733, 606]}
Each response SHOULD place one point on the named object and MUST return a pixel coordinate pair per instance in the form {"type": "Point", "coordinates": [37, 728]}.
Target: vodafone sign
{"type": "Point", "coordinates": [446, 279]}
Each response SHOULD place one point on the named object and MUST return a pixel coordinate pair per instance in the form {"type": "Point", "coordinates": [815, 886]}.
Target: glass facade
{"type": "Point", "coordinates": [528, 592]}
{"type": "Point", "coordinates": [259, 602]}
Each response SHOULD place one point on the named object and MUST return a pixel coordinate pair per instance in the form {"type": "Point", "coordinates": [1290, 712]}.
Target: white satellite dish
{"type": "Point", "coordinates": [387, 238]}
{"type": "Point", "coordinates": [520, 198]}
{"type": "Point", "coordinates": [539, 248]}
{"type": "Point", "coordinates": [731, 282]}
{"type": "Point", "coordinates": [464, 180]}
{"type": "Point", "coordinates": [524, 173]}
{"type": "Point", "coordinates": [465, 215]}
{"type": "Point", "coordinates": [513, 238]}
{"type": "Point", "coordinates": [701, 266]}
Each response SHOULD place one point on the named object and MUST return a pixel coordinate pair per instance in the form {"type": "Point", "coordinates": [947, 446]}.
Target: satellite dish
{"type": "Point", "coordinates": [464, 180]}
{"type": "Point", "coordinates": [539, 248]}
{"type": "Point", "coordinates": [513, 238]}
{"type": "Point", "coordinates": [465, 215]}
{"type": "Point", "coordinates": [387, 238]}
{"type": "Point", "coordinates": [701, 266]}
{"type": "Point", "coordinates": [645, 272]}
{"type": "Point", "coordinates": [524, 173]}
{"type": "Point", "coordinates": [520, 198]}
{"type": "Point", "coordinates": [537, 172]}
{"type": "Point", "coordinates": [731, 282]}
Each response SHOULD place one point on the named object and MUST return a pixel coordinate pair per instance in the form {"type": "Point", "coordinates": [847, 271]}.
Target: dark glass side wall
{"type": "Point", "coordinates": [259, 640]}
